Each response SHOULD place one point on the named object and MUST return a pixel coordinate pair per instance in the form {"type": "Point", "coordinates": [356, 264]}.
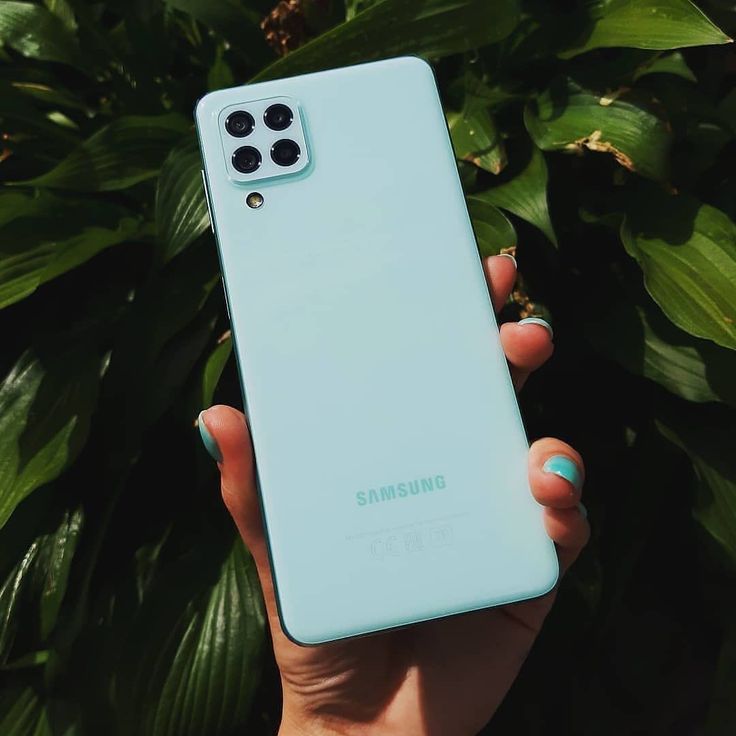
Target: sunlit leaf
{"type": "Point", "coordinates": [647, 24]}
{"type": "Point", "coordinates": [36, 32]}
{"type": "Point", "coordinates": [492, 228]}
{"type": "Point", "coordinates": [646, 343]}
{"type": "Point", "coordinates": [687, 251]}
{"type": "Point", "coordinates": [625, 125]}
{"type": "Point", "coordinates": [525, 195]}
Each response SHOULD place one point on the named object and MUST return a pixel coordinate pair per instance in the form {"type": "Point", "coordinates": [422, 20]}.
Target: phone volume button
{"type": "Point", "coordinates": [207, 199]}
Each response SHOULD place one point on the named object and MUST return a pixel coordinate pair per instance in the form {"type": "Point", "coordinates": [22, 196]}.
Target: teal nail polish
{"type": "Point", "coordinates": [208, 440]}
{"type": "Point", "coordinates": [539, 321]}
{"type": "Point", "coordinates": [564, 467]}
{"type": "Point", "coordinates": [583, 510]}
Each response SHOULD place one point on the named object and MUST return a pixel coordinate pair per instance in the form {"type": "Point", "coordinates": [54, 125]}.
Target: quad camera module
{"type": "Point", "coordinates": [284, 152]}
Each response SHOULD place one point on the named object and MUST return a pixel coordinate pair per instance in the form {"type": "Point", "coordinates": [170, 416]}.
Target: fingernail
{"type": "Point", "coordinates": [583, 510]}
{"type": "Point", "coordinates": [208, 440]}
{"type": "Point", "coordinates": [564, 467]}
{"type": "Point", "coordinates": [541, 322]}
{"type": "Point", "coordinates": [513, 260]}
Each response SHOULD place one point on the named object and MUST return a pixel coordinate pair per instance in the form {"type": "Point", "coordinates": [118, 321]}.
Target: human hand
{"type": "Point", "coordinates": [446, 676]}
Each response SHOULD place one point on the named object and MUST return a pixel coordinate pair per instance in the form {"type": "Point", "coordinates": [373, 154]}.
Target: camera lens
{"type": "Point", "coordinates": [246, 159]}
{"type": "Point", "coordinates": [239, 124]}
{"type": "Point", "coordinates": [285, 152]}
{"type": "Point", "coordinates": [278, 117]}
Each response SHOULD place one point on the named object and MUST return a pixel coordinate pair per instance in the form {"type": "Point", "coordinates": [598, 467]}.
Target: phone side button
{"type": "Point", "coordinates": [207, 199]}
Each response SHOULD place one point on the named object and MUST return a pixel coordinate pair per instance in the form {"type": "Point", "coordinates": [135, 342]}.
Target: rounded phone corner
{"type": "Point", "coordinates": [300, 638]}
{"type": "Point", "coordinates": [550, 579]}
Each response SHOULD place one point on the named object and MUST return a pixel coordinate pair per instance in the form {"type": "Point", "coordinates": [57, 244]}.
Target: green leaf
{"type": "Point", "coordinates": [628, 126]}
{"type": "Point", "coordinates": [646, 343]}
{"type": "Point", "coordinates": [687, 251]}
{"type": "Point", "coordinates": [429, 28]}
{"type": "Point", "coordinates": [127, 151]}
{"type": "Point", "coordinates": [673, 63]}
{"type": "Point", "coordinates": [706, 435]}
{"type": "Point", "coordinates": [45, 406]}
{"type": "Point", "coordinates": [36, 33]}
{"type": "Point", "coordinates": [353, 7]}
{"type": "Point", "coordinates": [22, 713]}
{"type": "Point", "coordinates": [191, 662]}
{"type": "Point", "coordinates": [181, 208]}
{"type": "Point", "coordinates": [46, 236]}
{"type": "Point", "coordinates": [493, 231]}
{"type": "Point", "coordinates": [233, 20]}
{"type": "Point", "coordinates": [214, 367]}
{"type": "Point", "coordinates": [475, 137]}
{"type": "Point", "coordinates": [32, 591]}
{"type": "Point", "coordinates": [525, 195]}
{"type": "Point", "coordinates": [647, 24]}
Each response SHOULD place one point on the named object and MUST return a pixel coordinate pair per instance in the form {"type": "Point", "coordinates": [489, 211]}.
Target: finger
{"type": "Point", "coordinates": [501, 276]}
{"type": "Point", "coordinates": [556, 473]}
{"type": "Point", "coordinates": [569, 530]}
{"type": "Point", "coordinates": [226, 436]}
{"type": "Point", "coordinates": [527, 345]}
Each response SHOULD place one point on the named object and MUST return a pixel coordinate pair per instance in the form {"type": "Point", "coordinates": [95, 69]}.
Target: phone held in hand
{"type": "Point", "coordinates": [391, 456]}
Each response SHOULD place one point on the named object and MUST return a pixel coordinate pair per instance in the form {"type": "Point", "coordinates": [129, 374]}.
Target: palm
{"type": "Point", "coordinates": [441, 677]}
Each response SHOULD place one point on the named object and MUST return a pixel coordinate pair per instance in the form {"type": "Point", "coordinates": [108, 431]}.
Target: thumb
{"type": "Point", "coordinates": [225, 434]}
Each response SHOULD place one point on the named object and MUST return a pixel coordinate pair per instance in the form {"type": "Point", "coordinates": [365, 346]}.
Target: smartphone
{"type": "Point", "coordinates": [390, 452]}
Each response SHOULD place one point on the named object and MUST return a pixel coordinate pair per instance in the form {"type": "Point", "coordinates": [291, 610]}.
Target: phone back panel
{"type": "Point", "coordinates": [390, 453]}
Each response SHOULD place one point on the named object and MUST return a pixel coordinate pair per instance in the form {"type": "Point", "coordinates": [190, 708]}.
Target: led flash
{"type": "Point", "coordinates": [254, 200]}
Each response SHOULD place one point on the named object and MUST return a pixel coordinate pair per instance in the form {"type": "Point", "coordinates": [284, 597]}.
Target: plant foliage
{"type": "Point", "coordinates": [595, 137]}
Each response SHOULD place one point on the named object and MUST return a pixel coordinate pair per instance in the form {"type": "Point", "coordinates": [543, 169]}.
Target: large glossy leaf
{"type": "Point", "coordinates": [706, 434]}
{"type": "Point", "coordinates": [525, 195]}
{"type": "Point", "coordinates": [475, 136]}
{"type": "Point", "coordinates": [45, 405]}
{"type": "Point", "coordinates": [125, 152]}
{"type": "Point", "coordinates": [687, 251]}
{"type": "Point", "coordinates": [647, 24]}
{"type": "Point", "coordinates": [181, 208]}
{"type": "Point", "coordinates": [32, 591]}
{"type": "Point", "coordinates": [430, 28]}
{"type": "Point", "coordinates": [45, 236]}
{"type": "Point", "coordinates": [191, 662]}
{"type": "Point", "coordinates": [36, 32]}
{"type": "Point", "coordinates": [493, 231]}
{"type": "Point", "coordinates": [628, 126]}
{"type": "Point", "coordinates": [645, 342]}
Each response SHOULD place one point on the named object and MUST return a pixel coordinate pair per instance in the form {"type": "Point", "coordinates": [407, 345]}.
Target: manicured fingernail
{"type": "Point", "coordinates": [513, 260]}
{"type": "Point", "coordinates": [583, 510]}
{"type": "Point", "coordinates": [208, 440]}
{"type": "Point", "coordinates": [541, 322]}
{"type": "Point", "coordinates": [564, 467]}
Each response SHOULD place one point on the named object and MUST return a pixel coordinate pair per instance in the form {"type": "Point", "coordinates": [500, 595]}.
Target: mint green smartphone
{"type": "Point", "coordinates": [391, 456]}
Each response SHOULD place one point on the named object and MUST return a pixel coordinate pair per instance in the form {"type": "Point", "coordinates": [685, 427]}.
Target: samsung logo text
{"type": "Point", "coordinates": [397, 491]}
